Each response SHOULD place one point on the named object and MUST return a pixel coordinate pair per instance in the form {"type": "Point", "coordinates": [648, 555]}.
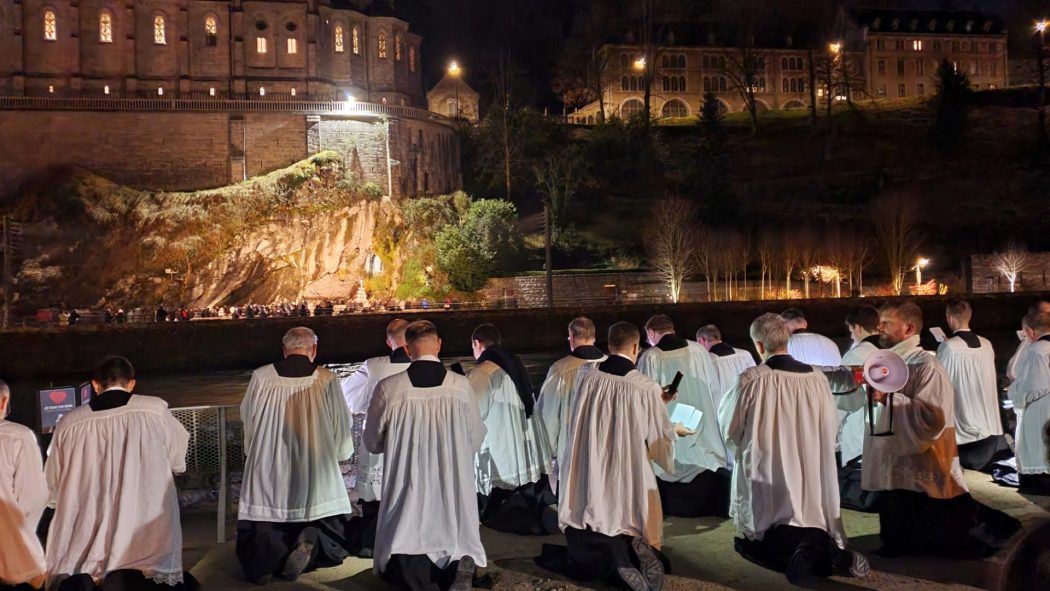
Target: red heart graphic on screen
{"type": "Point", "coordinates": [57, 396]}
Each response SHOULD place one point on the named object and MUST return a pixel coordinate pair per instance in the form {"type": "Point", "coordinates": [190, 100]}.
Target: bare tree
{"type": "Point", "coordinates": [765, 250]}
{"type": "Point", "coordinates": [502, 74]}
{"type": "Point", "coordinates": [789, 257]}
{"type": "Point", "coordinates": [558, 176]}
{"type": "Point", "coordinates": [808, 254]}
{"type": "Point", "coordinates": [671, 242]}
{"type": "Point", "coordinates": [705, 255]}
{"type": "Point", "coordinates": [896, 228]}
{"type": "Point", "coordinates": [1010, 262]}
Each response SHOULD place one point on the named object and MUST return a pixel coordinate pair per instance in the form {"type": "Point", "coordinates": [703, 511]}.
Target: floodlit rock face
{"type": "Point", "coordinates": [305, 232]}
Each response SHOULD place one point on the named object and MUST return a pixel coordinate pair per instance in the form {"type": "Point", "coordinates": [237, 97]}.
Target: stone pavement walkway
{"type": "Point", "coordinates": [700, 550]}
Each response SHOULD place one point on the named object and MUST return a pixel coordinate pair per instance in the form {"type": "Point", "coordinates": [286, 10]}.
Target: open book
{"type": "Point", "coordinates": [687, 415]}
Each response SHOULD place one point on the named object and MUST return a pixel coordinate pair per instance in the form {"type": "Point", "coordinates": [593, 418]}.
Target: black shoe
{"type": "Point", "coordinates": [650, 566]}
{"type": "Point", "coordinates": [297, 561]}
{"type": "Point", "coordinates": [801, 564]}
{"type": "Point", "coordinates": [633, 578]}
{"type": "Point", "coordinates": [847, 563]}
{"type": "Point", "coordinates": [464, 575]}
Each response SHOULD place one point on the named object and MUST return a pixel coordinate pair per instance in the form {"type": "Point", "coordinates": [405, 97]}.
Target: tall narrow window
{"type": "Point", "coordinates": [355, 41]}
{"type": "Point", "coordinates": [397, 47]}
{"type": "Point", "coordinates": [260, 45]}
{"type": "Point", "coordinates": [50, 26]}
{"type": "Point", "coordinates": [382, 45]}
{"type": "Point", "coordinates": [339, 39]}
{"type": "Point", "coordinates": [412, 59]}
{"type": "Point", "coordinates": [211, 31]}
{"type": "Point", "coordinates": [159, 36]}
{"type": "Point", "coordinates": [292, 46]}
{"type": "Point", "coordinates": [105, 27]}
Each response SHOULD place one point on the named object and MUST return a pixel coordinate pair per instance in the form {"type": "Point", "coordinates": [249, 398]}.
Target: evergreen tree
{"type": "Point", "coordinates": [706, 166]}
{"type": "Point", "coordinates": [951, 107]}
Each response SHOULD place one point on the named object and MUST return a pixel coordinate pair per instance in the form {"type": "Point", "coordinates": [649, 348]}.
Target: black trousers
{"type": "Point", "coordinates": [977, 455]}
{"type": "Point", "coordinates": [1034, 484]}
{"type": "Point", "coordinates": [705, 495]}
{"type": "Point", "coordinates": [912, 523]}
{"type": "Point", "coordinates": [526, 510]}
{"type": "Point", "coordinates": [124, 580]}
{"type": "Point", "coordinates": [775, 549]}
{"type": "Point", "coordinates": [418, 573]}
{"type": "Point", "coordinates": [263, 547]}
{"type": "Point", "coordinates": [591, 556]}
{"type": "Point", "coordinates": [364, 527]}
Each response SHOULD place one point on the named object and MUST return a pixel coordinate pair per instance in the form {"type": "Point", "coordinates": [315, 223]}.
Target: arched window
{"type": "Point", "coordinates": [382, 45]}
{"type": "Point", "coordinates": [355, 41]}
{"type": "Point", "coordinates": [293, 45]}
{"type": "Point", "coordinates": [624, 84]}
{"type": "Point", "coordinates": [666, 61]}
{"type": "Point", "coordinates": [590, 119]}
{"type": "Point", "coordinates": [681, 83]}
{"type": "Point", "coordinates": [339, 39]}
{"type": "Point", "coordinates": [105, 26]}
{"type": "Point", "coordinates": [260, 45]}
{"type": "Point", "coordinates": [411, 58]}
{"type": "Point", "coordinates": [160, 36]}
{"type": "Point", "coordinates": [783, 63]}
{"type": "Point", "coordinates": [634, 83]}
{"type": "Point", "coordinates": [50, 25]}
{"type": "Point", "coordinates": [681, 61]}
{"type": "Point", "coordinates": [707, 84]}
{"type": "Point", "coordinates": [667, 84]}
{"type": "Point", "coordinates": [631, 107]}
{"type": "Point", "coordinates": [397, 47]}
{"type": "Point", "coordinates": [211, 30]}
{"type": "Point", "coordinates": [674, 108]}
{"type": "Point", "coordinates": [786, 85]}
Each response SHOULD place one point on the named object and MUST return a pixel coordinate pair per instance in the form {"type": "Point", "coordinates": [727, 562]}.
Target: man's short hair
{"type": "Point", "coordinates": [959, 308]}
{"type": "Point", "coordinates": [622, 335]}
{"type": "Point", "coordinates": [866, 317]}
{"type": "Point", "coordinates": [5, 390]}
{"type": "Point", "coordinates": [420, 329]}
{"type": "Point", "coordinates": [299, 338]}
{"type": "Point", "coordinates": [1037, 305]}
{"type": "Point", "coordinates": [582, 328]}
{"type": "Point", "coordinates": [660, 323]}
{"type": "Point", "coordinates": [771, 330]}
{"type": "Point", "coordinates": [395, 331]}
{"type": "Point", "coordinates": [792, 314]}
{"type": "Point", "coordinates": [907, 311]}
{"type": "Point", "coordinates": [1038, 321]}
{"type": "Point", "coordinates": [709, 332]}
{"type": "Point", "coordinates": [488, 335]}
{"type": "Point", "coordinates": [114, 371]}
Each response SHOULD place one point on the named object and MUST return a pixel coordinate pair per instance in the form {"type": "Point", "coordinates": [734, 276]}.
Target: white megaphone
{"type": "Point", "coordinates": [886, 372]}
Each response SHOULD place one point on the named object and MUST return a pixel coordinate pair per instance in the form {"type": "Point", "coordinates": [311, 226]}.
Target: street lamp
{"type": "Point", "coordinates": [1040, 27]}
{"type": "Point", "coordinates": [834, 48]}
{"type": "Point", "coordinates": [639, 64]}
{"type": "Point", "coordinates": [919, 266]}
{"type": "Point", "coordinates": [455, 71]}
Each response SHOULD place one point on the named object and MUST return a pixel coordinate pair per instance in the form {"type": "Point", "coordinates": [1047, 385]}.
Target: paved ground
{"type": "Point", "coordinates": [701, 553]}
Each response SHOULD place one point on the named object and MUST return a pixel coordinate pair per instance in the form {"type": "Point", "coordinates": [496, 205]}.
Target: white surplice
{"type": "Point", "coordinates": [555, 401]}
{"type": "Point", "coordinates": [781, 427]}
{"type": "Point", "coordinates": [358, 389]}
{"type": "Point", "coordinates": [618, 429]}
{"type": "Point", "coordinates": [1011, 366]}
{"type": "Point", "coordinates": [853, 407]}
{"type": "Point", "coordinates": [515, 451]}
{"type": "Point", "coordinates": [428, 438]}
{"type": "Point", "coordinates": [814, 349]}
{"type": "Point", "coordinates": [1030, 394]}
{"type": "Point", "coordinates": [728, 368]}
{"type": "Point", "coordinates": [296, 431]}
{"type": "Point", "coordinates": [23, 496]}
{"type": "Point", "coordinates": [921, 455]}
{"type": "Point", "coordinates": [704, 450]}
{"type": "Point", "coordinates": [110, 477]}
{"type": "Point", "coordinates": [972, 373]}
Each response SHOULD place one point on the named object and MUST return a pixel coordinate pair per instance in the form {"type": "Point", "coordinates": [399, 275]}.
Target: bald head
{"type": "Point", "coordinates": [421, 338]}
{"type": "Point", "coordinates": [395, 333]}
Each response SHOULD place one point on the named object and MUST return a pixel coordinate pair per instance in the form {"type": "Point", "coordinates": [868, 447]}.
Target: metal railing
{"type": "Point", "coordinates": [215, 451]}
{"type": "Point", "coordinates": [306, 107]}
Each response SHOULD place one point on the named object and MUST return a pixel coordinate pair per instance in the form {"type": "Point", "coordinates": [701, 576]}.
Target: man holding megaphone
{"type": "Point", "coordinates": [926, 507]}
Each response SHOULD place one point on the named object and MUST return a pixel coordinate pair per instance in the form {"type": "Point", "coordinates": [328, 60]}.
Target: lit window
{"type": "Point", "coordinates": [355, 41]}
{"type": "Point", "coordinates": [159, 36]}
{"type": "Point", "coordinates": [397, 47]}
{"type": "Point", "coordinates": [382, 45]}
{"type": "Point", "coordinates": [160, 91]}
{"type": "Point", "coordinates": [105, 89]}
{"type": "Point", "coordinates": [211, 91]}
{"type": "Point", "coordinates": [51, 89]}
{"type": "Point", "coordinates": [916, 45]}
{"type": "Point", "coordinates": [260, 45]}
{"type": "Point", "coordinates": [412, 59]}
{"type": "Point", "coordinates": [262, 91]}
{"type": "Point", "coordinates": [292, 46]}
{"type": "Point", "coordinates": [339, 39]}
{"type": "Point", "coordinates": [293, 92]}
{"type": "Point", "coordinates": [105, 27]}
{"type": "Point", "coordinates": [50, 26]}
{"type": "Point", "coordinates": [211, 30]}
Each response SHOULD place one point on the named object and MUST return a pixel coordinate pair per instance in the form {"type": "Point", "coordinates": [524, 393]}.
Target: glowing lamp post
{"type": "Point", "coordinates": [455, 71]}
{"type": "Point", "coordinates": [919, 266]}
{"type": "Point", "coordinates": [639, 64]}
